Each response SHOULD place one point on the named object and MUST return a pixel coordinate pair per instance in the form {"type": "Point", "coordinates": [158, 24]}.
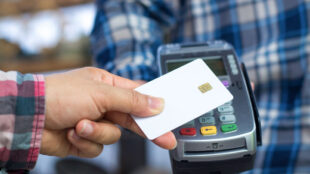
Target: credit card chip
{"type": "Point", "coordinates": [205, 87]}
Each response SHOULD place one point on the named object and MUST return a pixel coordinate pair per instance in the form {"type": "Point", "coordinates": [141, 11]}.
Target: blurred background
{"type": "Point", "coordinates": [47, 35]}
{"type": "Point", "coordinates": [43, 36]}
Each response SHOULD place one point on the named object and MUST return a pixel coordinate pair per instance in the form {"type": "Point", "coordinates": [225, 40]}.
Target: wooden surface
{"type": "Point", "coordinates": [16, 7]}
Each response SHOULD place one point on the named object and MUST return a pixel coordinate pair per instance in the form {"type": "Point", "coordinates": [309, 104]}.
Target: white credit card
{"type": "Point", "coordinates": [189, 92]}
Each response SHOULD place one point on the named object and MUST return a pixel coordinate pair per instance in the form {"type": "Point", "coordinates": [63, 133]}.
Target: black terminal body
{"type": "Point", "coordinates": [225, 139]}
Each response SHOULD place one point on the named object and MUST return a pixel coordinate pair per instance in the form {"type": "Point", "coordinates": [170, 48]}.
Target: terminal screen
{"type": "Point", "coordinates": [215, 63]}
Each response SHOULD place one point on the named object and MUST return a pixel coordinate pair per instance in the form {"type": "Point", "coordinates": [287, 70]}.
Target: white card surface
{"type": "Point", "coordinates": [183, 99]}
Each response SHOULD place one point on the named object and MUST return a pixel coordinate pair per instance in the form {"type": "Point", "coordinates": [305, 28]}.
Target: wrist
{"type": "Point", "coordinates": [51, 101]}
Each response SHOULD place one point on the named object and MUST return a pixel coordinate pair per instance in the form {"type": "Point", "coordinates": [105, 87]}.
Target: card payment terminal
{"type": "Point", "coordinates": [225, 139]}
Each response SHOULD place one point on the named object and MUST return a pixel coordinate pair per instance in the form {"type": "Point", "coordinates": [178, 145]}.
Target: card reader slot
{"type": "Point", "coordinates": [215, 146]}
{"type": "Point", "coordinates": [206, 152]}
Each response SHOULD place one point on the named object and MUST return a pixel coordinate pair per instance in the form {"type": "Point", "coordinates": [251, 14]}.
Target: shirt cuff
{"type": "Point", "coordinates": [22, 103]}
{"type": "Point", "coordinates": [38, 121]}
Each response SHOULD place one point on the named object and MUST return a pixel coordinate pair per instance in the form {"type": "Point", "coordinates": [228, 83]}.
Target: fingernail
{"type": "Point", "coordinates": [175, 146]}
{"type": "Point", "coordinates": [74, 135]}
{"type": "Point", "coordinates": [87, 129]}
{"type": "Point", "coordinates": [156, 104]}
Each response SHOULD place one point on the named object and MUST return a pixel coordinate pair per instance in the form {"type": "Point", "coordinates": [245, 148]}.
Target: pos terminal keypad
{"type": "Point", "coordinates": [220, 119]}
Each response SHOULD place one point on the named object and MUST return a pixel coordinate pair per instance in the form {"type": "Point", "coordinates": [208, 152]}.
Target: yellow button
{"type": "Point", "coordinates": [208, 130]}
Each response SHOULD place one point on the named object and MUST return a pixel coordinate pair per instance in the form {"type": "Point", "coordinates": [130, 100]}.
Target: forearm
{"type": "Point", "coordinates": [21, 119]}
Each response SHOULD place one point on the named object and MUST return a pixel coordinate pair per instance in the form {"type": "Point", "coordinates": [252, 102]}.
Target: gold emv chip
{"type": "Point", "coordinates": [205, 87]}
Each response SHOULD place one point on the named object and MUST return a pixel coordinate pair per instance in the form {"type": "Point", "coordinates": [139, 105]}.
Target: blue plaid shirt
{"type": "Point", "coordinates": [272, 38]}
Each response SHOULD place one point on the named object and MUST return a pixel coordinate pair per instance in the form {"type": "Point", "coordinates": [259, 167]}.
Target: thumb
{"type": "Point", "coordinates": [129, 101]}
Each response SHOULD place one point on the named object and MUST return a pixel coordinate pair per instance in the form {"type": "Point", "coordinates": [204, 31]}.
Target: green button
{"type": "Point", "coordinates": [228, 127]}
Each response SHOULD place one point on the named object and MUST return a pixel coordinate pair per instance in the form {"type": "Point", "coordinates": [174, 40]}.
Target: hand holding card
{"type": "Point", "coordinates": [188, 91]}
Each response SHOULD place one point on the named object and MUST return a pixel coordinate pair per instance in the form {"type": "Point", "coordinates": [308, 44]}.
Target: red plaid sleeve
{"type": "Point", "coordinates": [22, 106]}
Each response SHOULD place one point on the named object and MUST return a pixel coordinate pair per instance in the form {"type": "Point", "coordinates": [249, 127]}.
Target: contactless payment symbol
{"type": "Point", "coordinates": [205, 87]}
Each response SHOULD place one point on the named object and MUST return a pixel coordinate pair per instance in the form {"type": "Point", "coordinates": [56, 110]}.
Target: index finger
{"type": "Point", "coordinates": [118, 81]}
{"type": "Point", "coordinates": [111, 98]}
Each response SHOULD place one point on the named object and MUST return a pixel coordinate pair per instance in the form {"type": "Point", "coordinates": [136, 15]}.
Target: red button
{"type": "Point", "coordinates": [188, 131]}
